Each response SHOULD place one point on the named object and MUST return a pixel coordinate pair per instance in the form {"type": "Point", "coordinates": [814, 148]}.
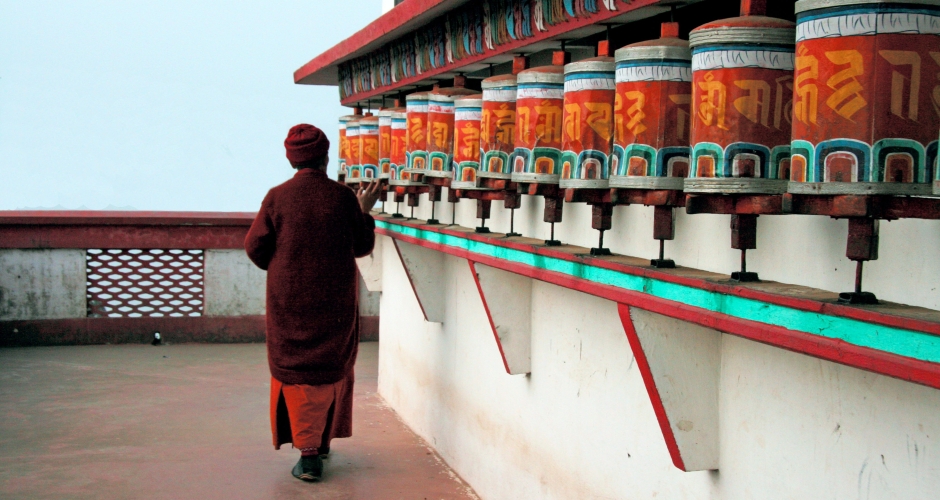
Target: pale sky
{"type": "Point", "coordinates": [160, 105]}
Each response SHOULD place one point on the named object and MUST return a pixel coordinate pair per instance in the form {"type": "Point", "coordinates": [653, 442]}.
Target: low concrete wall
{"type": "Point", "coordinates": [234, 286]}
{"type": "Point", "coordinates": [42, 284]}
{"type": "Point", "coordinates": [43, 278]}
{"type": "Point", "coordinates": [581, 424]}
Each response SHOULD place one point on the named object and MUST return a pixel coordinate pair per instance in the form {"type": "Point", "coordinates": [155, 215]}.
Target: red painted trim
{"type": "Point", "coordinates": [920, 372]}
{"type": "Point", "coordinates": [380, 31]}
{"type": "Point", "coordinates": [643, 364]}
{"type": "Point", "coordinates": [84, 237]}
{"type": "Point", "coordinates": [109, 229]}
{"type": "Point", "coordinates": [411, 281]}
{"type": "Point", "coordinates": [711, 281]}
{"type": "Point", "coordinates": [489, 316]}
{"type": "Point", "coordinates": [120, 218]}
{"type": "Point", "coordinates": [85, 331]}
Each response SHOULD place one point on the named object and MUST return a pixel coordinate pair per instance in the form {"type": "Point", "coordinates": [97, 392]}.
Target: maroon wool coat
{"type": "Point", "coordinates": [307, 235]}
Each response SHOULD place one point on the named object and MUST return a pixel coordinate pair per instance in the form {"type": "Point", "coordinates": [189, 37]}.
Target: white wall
{"type": "Point", "coordinates": [42, 284]}
{"type": "Point", "coordinates": [582, 425]}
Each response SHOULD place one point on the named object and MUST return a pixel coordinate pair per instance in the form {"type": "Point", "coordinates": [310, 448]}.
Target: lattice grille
{"type": "Point", "coordinates": [137, 283]}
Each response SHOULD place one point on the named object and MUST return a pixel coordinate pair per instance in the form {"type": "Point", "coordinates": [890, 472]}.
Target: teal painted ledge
{"type": "Point", "coordinates": [892, 339]}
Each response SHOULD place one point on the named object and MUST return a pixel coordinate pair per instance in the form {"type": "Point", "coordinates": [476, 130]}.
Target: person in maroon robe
{"type": "Point", "coordinates": [307, 235]}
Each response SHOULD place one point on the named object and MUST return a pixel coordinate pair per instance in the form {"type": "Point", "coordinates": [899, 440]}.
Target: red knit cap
{"type": "Point", "coordinates": [305, 144]}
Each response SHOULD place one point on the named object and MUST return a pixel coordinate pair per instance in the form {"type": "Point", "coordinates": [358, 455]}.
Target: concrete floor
{"type": "Point", "coordinates": [188, 421]}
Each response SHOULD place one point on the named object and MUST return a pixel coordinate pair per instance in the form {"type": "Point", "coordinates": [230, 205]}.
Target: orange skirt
{"type": "Point", "coordinates": [309, 416]}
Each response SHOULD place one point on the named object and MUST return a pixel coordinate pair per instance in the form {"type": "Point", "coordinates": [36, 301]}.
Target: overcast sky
{"type": "Point", "coordinates": [160, 104]}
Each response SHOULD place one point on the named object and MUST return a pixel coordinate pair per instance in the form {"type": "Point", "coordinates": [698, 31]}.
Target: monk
{"type": "Point", "coordinates": [307, 235]}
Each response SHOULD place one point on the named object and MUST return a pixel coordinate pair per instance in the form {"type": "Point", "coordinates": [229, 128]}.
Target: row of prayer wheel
{"type": "Point", "coordinates": [847, 101]}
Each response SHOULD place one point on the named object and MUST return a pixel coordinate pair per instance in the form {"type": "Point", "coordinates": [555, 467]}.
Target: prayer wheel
{"type": "Point", "coordinates": [539, 104]}
{"type": "Point", "coordinates": [353, 167]}
{"type": "Point", "coordinates": [440, 133]}
{"type": "Point", "coordinates": [467, 115]}
{"type": "Point", "coordinates": [344, 145]}
{"type": "Point", "coordinates": [416, 144]}
{"type": "Point", "coordinates": [369, 148]}
{"type": "Point", "coordinates": [588, 120]}
{"type": "Point", "coordinates": [399, 132]}
{"type": "Point", "coordinates": [651, 136]}
{"type": "Point", "coordinates": [866, 98]}
{"type": "Point", "coordinates": [742, 78]}
{"type": "Point", "coordinates": [385, 143]}
{"type": "Point", "coordinates": [498, 126]}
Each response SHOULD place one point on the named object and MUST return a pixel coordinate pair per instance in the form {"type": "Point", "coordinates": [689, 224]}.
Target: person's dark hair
{"type": "Point", "coordinates": [319, 163]}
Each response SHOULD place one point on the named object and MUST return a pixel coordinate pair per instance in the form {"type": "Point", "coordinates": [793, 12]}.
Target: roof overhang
{"type": "Point", "coordinates": [411, 15]}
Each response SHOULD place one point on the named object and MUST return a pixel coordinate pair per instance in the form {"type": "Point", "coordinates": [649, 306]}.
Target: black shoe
{"type": "Point", "coordinates": [324, 452]}
{"type": "Point", "coordinates": [309, 469]}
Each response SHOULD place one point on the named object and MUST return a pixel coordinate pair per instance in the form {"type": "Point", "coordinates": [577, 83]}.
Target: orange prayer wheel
{"type": "Point", "coordinates": [651, 136]}
{"type": "Point", "coordinates": [742, 77]}
{"type": "Point", "coordinates": [588, 123]}
{"type": "Point", "coordinates": [385, 142]}
{"type": "Point", "coordinates": [539, 109]}
{"type": "Point", "coordinates": [865, 97]}
{"type": "Point", "coordinates": [344, 145]}
{"type": "Point", "coordinates": [353, 167]}
{"type": "Point", "coordinates": [397, 157]}
{"type": "Point", "coordinates": [498, 126]}
{"type": "Point", "coordinates": [467, 115]}
{"type": "Point", "coordinates": [416, 146]}
{"type": "Point", "coordinates": [369, 148]}
{"type": "Point", "coordinates": [440, 133]}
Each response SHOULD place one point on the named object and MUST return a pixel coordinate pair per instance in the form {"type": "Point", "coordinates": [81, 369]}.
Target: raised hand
{"type": "Point", "coordinates": [368, 196]}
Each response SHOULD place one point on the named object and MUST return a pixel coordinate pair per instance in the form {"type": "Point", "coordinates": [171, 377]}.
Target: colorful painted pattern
{"type": "Point", "coordinates": [866, 95]}
{"type": "Point", "coordinates": [440, 136]}
{"type": "Point", "coordinates": [369, 147]}
{"type": "Point", "coordinates": [498, 131]}
{"type": "Point", "coordinates": [588, 125]}
{"type": "Point", "coordinates": [385, 144]}
{"type": "Point", "coordinates": [353, 168]}
{"type": "Point", "coordinates": [397, 158]}
{"type": "Point", "coordinates": [741, 96]}
{"type": "Point", "coordinates": [417, 143]}
{"type": "Point", "coordinates": [652, 119]}
{"type": "Point", "coordinates": [467, 118]}
{"type": "Point", "coordinates": [539, 113]}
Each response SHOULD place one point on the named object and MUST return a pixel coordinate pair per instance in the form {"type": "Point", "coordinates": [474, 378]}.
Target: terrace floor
{"type": "Point", "coordinates": [188, 421]}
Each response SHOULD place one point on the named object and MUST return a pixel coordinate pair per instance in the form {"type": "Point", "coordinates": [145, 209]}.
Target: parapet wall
{"type": "Point", "coordinates": [52, 291]}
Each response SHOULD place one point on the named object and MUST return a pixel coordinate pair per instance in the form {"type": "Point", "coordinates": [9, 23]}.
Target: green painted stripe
{"type": "Point", "coordinates": [898, 341]}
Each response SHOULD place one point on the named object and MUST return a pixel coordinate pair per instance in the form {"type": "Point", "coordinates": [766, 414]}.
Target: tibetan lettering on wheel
{"type": "Point", "coordinates": [369, 148]}
{"type": "Point", "coordinates": [866, 97]}
{"type": "Point", "coordinates": [353, 167]}
{"type": "Point", "coordinates": [539, 101]}
{"type": "Point", "coordinates": [498, 126]}
{"type": "Point", "coordinates": [467, 113]}
{"type": "Point", "coordinates": [588, 123]}
{"type": "Point", "coordinates": [344, 146]}
{"type": "Point", "coordinates": [416, 145]}
{"type": "Point", "coordinates": [441, 132]}
{"type": "Point", "coordinates": [397, 158]}
{"type": "Point", "coordinates": [385, 142]}
{"type": "Point", "coordinates": [652, 113]}
{"type": "Point", "coordinates": [742, 79]}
